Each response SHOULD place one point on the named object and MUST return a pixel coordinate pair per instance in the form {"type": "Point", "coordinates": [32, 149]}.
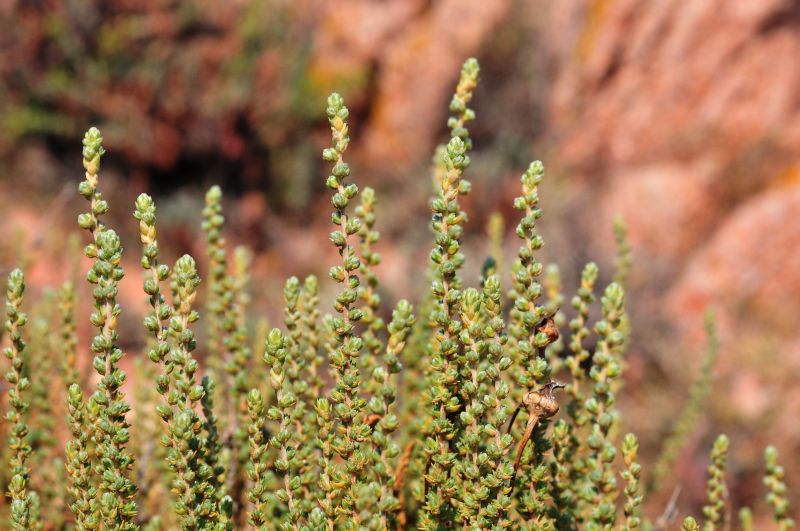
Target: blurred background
{"type": "Point", "coordinates": [683, 118]}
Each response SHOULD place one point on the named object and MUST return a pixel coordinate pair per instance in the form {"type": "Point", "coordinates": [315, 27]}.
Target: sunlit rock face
{"type": "Point", "coordinates": [687, 123]}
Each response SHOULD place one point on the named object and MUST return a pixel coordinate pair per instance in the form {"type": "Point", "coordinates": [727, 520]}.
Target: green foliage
{"type": "Point", "coordinates": [107, 408]}
{"type": "Point", "coordinates": [68, 338]}
{"type": "Point", "coordinates": [690, 524]}
{"type": "Point", "coordinates": [714, 510]}
{"type": "Point", "coordinates": [495, 234]}
{"type": "Point", "coordinates": [624, 258]}
{"type": "Point", "coordinates": [22, 513]}
{"type": "Point", "coordinates": [150, 73]}
{"type": "Point", "coordinates": [81, 489]}
{"type": "Point", "coordinates": [776, 496]}
{"type": "Point", "coordinates": [746, 519]}
{"type": "Point", "coordinates": [633, 499]}
{"type": "Point", "coordinates": [343, 421]}
{"type": "Point", "coordinates": [444, 379]}
{"type": "Point", "coordinates": [191, 452]}
{"type": "Point", "coordinates": [687, 420]}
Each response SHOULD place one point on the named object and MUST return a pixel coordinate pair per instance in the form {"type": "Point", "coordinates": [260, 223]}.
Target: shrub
{"type": "Point", "coordinates": [345, 421]}
{"type": "Point", "coordinates": [173, 87]}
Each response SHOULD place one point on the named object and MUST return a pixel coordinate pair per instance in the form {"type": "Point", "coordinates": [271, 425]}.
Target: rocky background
{"type": "Point", "coordinates": [683, 118]}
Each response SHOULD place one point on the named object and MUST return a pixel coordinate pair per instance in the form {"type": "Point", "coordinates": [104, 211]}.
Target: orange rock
{"type": "Point", "coordinates": [407, 111]}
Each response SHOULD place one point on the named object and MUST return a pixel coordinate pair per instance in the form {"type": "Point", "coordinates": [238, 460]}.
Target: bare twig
{"type": "Point", "coordinates": [400, 481]}
{"type": "Point", "coordinates": [670, 511]}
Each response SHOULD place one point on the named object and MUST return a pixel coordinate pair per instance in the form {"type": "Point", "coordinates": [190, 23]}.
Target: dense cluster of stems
{"type": "Point", "coordinates": [363, 417]}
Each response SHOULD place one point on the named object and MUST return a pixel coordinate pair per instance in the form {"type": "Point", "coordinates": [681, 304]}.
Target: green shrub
{"type": "Point", "coordinates": [345, 421]}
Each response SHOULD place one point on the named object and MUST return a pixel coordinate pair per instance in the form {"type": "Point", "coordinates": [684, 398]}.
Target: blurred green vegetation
{"type": "Point", "coordinates": [178, 87]}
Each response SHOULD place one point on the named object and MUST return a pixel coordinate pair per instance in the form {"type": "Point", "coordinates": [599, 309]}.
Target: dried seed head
{"type": "Point", "coordinates": [542, 403]}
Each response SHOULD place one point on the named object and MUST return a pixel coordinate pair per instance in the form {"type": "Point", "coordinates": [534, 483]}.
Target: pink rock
{"type": "Point", "coordinates": [750, 268]}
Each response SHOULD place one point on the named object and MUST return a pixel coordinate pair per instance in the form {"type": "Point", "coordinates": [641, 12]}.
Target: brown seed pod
{"type": "Point", "coordinates": [372, 419]}
{"type": "Point", "coordinates": [541, 404]}
{"type": "Point", "coordinates": [548, 326]}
